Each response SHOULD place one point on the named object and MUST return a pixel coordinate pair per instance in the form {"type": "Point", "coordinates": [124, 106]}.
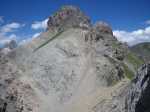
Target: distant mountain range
{"type": "Point", "coordinates": [142, 50]}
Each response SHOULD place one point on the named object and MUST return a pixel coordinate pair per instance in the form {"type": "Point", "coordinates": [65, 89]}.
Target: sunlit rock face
{"type": "Point", "coordinates": [68, 17]}
{"type": "Point", "coordinates": [103, 27]}
{"type": "Point", "coordinates": [60, 70]}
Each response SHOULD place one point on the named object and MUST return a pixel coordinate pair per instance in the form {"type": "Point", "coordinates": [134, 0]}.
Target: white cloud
{"type": "Point", "coordinates": [13, 36]}
{"type": "Point", "coordinates": [7, 32]}
{"type": "Point", "coordinates": [147, 22]}
{"type": "Point", "coordinates": [134, 37]}
{"type": "Point", "coordinates": [38, 25]}
{"type": "Point", "coordinates": [4, 39]}
{"type": "Point", "coordinates": [10, 27]}
{"type": "Point", "coordinates": [36, 35]}
{"type": "Point", "coordinates": [42, 25]}
{"type": "Point", "coordinates": [27, 40]}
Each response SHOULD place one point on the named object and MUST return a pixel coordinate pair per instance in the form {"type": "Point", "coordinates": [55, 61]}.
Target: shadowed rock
{"type": "Point", "coordinates": [138, 99]}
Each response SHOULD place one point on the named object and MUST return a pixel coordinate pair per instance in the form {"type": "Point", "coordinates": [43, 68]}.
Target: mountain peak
{"type": "Point", "coordinates": [72, 67]}
{"type": "Point", "coordinates": [103, 27]}
{"type": "Point", "coordinates": [68, 17]}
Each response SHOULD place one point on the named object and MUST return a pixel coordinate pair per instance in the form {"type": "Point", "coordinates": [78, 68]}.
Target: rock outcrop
{"type": "Point", "coordinates": [138, 99]}
{"type": "Point", "coordinates": [11, 44]}
{"type": "Point", "coordinates": [68, 17]}
{"type": "Point", "coordinates": [103, 28]}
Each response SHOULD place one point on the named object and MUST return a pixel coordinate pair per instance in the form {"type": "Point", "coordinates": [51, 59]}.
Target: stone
{"type": "Point", "coordinates": [103, 27]}
{"type": "Point", "coordinates": [138, 99]}
{"type": "Point", "coordinates": [67, 17]}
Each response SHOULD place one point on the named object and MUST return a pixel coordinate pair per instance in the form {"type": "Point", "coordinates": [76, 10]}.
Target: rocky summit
{"type": "Point", "coordinates": [68, 17]}
{"type": "Point", "coordinates": [73, 66]}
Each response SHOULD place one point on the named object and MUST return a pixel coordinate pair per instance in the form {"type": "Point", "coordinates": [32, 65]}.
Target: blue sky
{"type": "Point", "coordinates": [125, 16]}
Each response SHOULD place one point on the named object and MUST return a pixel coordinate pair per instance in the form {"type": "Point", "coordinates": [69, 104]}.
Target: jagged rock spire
{"type": "Point", "coordinates": [103, 27]}
{"type": "Point", "coordinates": [68, 17]}
{"type": "Point", "coordinates": [71, 16]}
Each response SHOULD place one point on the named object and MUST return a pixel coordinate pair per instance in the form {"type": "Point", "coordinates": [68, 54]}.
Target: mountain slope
{"type": "Point", "coordinates": [72, 67]}
{"type": "Point", "coordinates": [142, 50]}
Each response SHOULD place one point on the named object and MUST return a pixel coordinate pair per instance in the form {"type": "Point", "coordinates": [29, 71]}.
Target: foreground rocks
{"type": "Point", "coordinates": [138, 99]}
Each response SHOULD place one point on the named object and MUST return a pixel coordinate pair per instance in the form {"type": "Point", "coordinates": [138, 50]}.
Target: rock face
{"type": "Point", "coordinates": [103, 28]}
{"type": "Point", "coordinates": [12, 90]}
{"type": "Point", "coordinates": [72, 67]}
{"type": "Point", "coordinates": [68, 17]}
{"type": "Point", "coordinates": [138, 99]}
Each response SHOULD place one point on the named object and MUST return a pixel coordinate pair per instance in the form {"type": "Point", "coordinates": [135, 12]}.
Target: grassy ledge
{"type": "Point", "coordinates": [45, 43]}
{"type": "Point", "coordinates": [128, 73]}
{"type": "Point", "coordinates": [134, 60]}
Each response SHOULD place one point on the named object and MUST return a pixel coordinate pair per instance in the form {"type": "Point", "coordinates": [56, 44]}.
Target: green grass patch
{"type": "Point", "coordinates": [128, 73]}
{"type": "Point", "coordinates": [114, 82]}
{"type": "Point", "coordinates": [134, 60]}
{"type": "Point", "coordinates": [115, 45]}
{"type": "Point", "coordinates": [54, 37]}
